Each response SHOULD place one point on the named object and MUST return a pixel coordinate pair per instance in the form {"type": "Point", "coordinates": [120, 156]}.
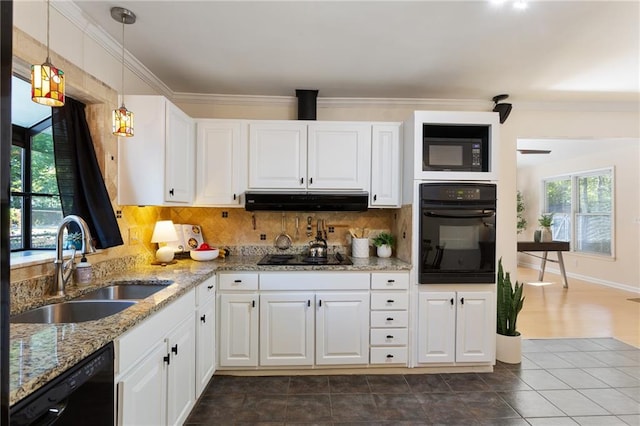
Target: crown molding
{"type": "Point", "coordinates": [329, 102]}
{"type": "Point", "coordinates": [113, 47]}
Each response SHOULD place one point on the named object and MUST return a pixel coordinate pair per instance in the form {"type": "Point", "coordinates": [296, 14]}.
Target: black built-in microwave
{"type": "Point", "coordinates": [457, 148]}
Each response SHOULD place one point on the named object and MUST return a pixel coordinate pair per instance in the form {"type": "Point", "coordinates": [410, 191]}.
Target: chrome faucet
{"type": "Point", "coordinates": [64, 270]}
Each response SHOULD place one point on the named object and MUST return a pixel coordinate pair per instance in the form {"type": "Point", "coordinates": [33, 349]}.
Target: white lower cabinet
{"type": "Point", "coordinates": [155, 367]}
{"type": "Point", "coordinates": [293, 324]}
{"type": "Point", "coordinates": [181, 371]}
{"type": "Point", "coordinates": [142, 393]}
{"type": "Point", "coordinates": [238, 343]}
{"type": "Point", "coordinates": [342, 328]}
{"type": "Point", "coordinates": [286, 328]}
{"type": "Point", "coordinates": [205, 333]}
{"type": "Point", "coordinates": [456, 327]}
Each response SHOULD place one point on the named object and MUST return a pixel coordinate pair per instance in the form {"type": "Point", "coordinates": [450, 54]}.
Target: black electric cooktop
{"type": "Point", "coordinates": [301, 259]}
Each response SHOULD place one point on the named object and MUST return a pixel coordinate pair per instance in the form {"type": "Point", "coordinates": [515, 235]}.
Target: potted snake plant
{"type": "Point", "coordinates": [509, 304]}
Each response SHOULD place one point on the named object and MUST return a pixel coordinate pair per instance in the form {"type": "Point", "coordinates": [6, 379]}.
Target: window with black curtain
{"type": "Point", "coordinates": [82, 188]}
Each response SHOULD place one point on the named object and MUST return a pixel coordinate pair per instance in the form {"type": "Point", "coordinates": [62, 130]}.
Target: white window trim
{"type": "Point", "coordinates": [573, 176]}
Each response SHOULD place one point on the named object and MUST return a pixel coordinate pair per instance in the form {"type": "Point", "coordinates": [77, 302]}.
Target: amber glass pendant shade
{"type": "Point", "coordinates": [47, 81]}
{"type": "Point", "coordinates": [47, 85]}
{"type": "Point", "coordinates": [122, 122]}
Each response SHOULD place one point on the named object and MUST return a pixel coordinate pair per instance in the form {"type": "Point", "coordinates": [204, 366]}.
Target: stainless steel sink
{"type": "Point", "coordinates": [124, 292]}
{"type": "Point", "coordinates": [73, 311]}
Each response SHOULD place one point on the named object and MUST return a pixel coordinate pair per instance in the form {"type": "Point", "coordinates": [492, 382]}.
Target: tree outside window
{"type": "Point", "coordinates": [582, 207]}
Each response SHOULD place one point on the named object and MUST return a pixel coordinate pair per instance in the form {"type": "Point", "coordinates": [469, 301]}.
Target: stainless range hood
{"type": "Point", "coordinates": [307, 201]}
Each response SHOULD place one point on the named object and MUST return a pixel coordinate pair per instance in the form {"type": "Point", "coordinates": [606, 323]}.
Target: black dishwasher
{"type": "Point", "coordinates": [83, 394]}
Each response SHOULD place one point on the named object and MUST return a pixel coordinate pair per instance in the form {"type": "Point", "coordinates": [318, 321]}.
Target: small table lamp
{"type": "Point", "coordinates": [163, 233]}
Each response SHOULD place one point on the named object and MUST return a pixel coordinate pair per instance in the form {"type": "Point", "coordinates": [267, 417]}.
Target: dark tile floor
{"type": "Point", "coordinates": [560, 382]}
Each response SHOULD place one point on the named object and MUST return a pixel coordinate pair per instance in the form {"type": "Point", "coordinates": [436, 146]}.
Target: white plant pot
{"type": "Point", "coordinates": [384, 250]}
{"type": "Point", "coordinates": [546, 235]}
{"type": "Point", "coordinates": [509, 349]}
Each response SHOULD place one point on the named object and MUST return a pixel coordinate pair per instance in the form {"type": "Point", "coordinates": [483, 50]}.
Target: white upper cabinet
{"type": "Point", "coordinates": [221, 162]}
{"type": "Point", "coordinates": [319, 156]}
{"type": "Point", "coordinates": [385, 165]}
{"type": "Point", "coordinates": [277, 155]}
{"type": "Point", "coordinates": [156, 165]}
{"type": "Point", "coordinates": [339, 156]}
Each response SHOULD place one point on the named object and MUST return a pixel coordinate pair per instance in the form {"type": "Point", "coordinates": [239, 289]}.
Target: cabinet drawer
{"type": "Point", "coordinates": [206, 291]}
{"type": "Point", "coordinates": [389, 355]}
{"type": "Point", "coordinates": [389, 337]}
{"type": "Point", "coordinates": [238, 281]}
{"type": "Point", "coordinates": [389, 319]}
{"type": "Point", "coordinates": [389, 300]}
{"type": "Point", "coordinates": [390, 281]}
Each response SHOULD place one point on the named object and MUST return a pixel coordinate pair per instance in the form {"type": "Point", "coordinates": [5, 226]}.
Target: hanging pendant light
{"type": "Point", "coordinates": [47, 81]}
{"type": "Point", "coordinates": [122, 117]}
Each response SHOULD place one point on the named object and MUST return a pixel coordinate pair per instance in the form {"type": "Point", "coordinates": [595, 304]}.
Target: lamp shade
{"type": "Point", "coordinates": [164, 232]}
{"type": "Point", "coordinates": [47, 85]}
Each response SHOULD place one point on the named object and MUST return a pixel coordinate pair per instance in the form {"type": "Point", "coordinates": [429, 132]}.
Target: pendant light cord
{"type": "Point", "coordinates": [48, 18]}
{"type": "Point", "coordinates": [123, 22]}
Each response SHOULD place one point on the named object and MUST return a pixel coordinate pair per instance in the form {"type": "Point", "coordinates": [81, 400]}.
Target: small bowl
{"type": "Point", "coordinates": [204, 255]}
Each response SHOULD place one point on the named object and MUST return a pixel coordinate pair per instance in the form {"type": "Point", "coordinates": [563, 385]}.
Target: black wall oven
{"type": "Point", "coordinates": [457, 233]}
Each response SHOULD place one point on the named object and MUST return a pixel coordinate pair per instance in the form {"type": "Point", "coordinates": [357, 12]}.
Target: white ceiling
{"type": "Point", "coordinates": [552, 51]}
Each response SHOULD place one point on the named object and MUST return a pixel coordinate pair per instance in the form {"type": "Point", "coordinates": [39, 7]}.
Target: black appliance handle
{"type": "Point", "coordinates": [53, 414]}
{"type": "Point", "coordinates": [476, 215]}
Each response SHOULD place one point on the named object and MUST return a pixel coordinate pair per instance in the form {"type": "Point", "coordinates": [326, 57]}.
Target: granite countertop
{"type": "Point", "coordinates": [40, 352]}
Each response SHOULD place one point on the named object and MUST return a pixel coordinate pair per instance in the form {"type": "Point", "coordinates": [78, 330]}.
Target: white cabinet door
{"type": "Point", "coordinates": [385, 165]}
{"type": "Point", "coordinates": [157, 165]}
{"type": "Point", "coordinates": [342, 328]}
{"type": "Point", "coordinates": [238, 330]}
{"type": "Point", "coordinates": [221, 162]}
{"type": "Point", "coordinates": [180, 157]}
{"type": "Point", "coordinates": [339, 156]}
{"type": "Point", "coordinates": [143, 391]}
{"type": "Point", "coordinates": [436, 327]}
{"type": "Point", "coordinates": [456, 327]}
{"type": "Point", "coordinates": [475, 330]}
{"type": "Point", "coordinates": [205, 345]}
{"type": "Point", "coordinates": [182, 372]}
{"type": "Point", "coordinates": [286, 328]}
{"type": "Point", "coordinates": [277, 155]}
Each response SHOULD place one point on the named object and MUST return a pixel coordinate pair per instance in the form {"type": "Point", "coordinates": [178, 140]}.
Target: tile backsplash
{"type": "Point", "coordinates": [235, 227]}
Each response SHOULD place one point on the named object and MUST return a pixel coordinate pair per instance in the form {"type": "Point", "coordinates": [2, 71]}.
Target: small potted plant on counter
{"type": "Point", "coordinates": [383, 242]}
{"type": "Point", "coordinates": [509, 303]}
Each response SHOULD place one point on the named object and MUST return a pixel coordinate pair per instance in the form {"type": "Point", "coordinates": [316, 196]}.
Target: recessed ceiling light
{"type": "Point", "coordinates": [520, 4]}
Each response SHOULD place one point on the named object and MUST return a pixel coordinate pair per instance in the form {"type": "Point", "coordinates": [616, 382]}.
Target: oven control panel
{"type": "Point", "coordinates": [462, 194]}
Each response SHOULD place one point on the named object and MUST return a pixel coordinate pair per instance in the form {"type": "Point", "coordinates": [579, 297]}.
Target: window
{"type": "Point", "coordinates": [35, 208]}
{"type": "Point", "coordinates": [582, 207]}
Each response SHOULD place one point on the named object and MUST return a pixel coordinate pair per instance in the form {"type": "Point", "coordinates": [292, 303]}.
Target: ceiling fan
{"type": "Point", "coordinates": [534, 151]}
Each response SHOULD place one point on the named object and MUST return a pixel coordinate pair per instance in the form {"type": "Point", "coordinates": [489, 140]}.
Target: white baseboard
{"type": "Point", "coordinates": [588, 279]}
